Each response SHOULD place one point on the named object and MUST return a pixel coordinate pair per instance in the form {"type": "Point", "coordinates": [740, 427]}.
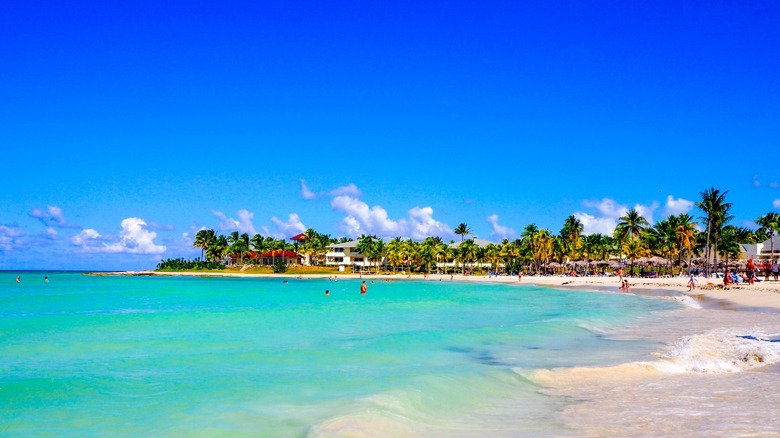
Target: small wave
{"type": "Point", "coordinates": [685, 300]}
{"type": "Point", "coordinates": [717, 351]}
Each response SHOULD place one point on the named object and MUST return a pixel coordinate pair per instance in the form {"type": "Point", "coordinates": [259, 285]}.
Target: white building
{"type": "Point", "coordinates": [345, 254]}
{"type": "Point", "coordinates": [762, 252]}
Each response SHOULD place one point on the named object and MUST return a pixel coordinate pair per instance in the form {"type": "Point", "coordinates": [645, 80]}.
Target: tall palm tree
{"type": "Point", "coordinates": [410, 254]}
{"type": "Point", "coordinates": [258, 243]}
{"type": "Point", "coordinates": [713, 204]}
{"type": "Point", "coordinates": [426, 256]}
{"type": "Point", "coordinates": [462, 230]}
{"type": "Point", "coordinates": [543, 247]}
{"type": "Point", "coordinates": [218, 248]}
{"type": "Point", "coordinates": [203, 239]}
{"type": "Point", "coordinates": [770, 223]}
{"type": "Point", "coordinates": [686, 236]}
{"type": "Point", "coordinates": [633, 223]}
{"type": "Point", "coordinates": [365, 245]}
{"type": "Point", "coordinates": [395, 252]}
{"type": "Point", "coordinates": [570, 236]}
{"type": "Point", "coordinates": [468, 252]}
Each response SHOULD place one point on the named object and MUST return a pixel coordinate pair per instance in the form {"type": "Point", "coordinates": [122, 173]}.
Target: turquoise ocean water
{"type": "Point", "coordinates": [174, 356]}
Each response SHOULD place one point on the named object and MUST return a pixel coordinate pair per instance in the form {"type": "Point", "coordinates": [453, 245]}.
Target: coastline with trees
{"type": "Point", "coordinates": [671, 245]}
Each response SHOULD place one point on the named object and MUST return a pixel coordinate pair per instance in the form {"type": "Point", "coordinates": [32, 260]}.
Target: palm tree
{"type": "Point", "coordinates": [686, 236]}
{"type": "Point", "coordinates": [543, 247]}
{"type": "Point", "coordinates": [713, 204]}
{"type": "Point", "coordinates": [203, 239]}
{"type": "Point", "coordinates": [427, 255]}
{"type": "Point", "coordinates": [634, 250]}
{"type": "Point", "coordinates": [218, 248]}
{"type": "Point", "coordinates": [633, 223]}
{"type": "Point", "coordinates": [770, 223]}
{"type": "Point", "coordinates": [462, 230]}
{"type": "Point", "coordinates": [395, 252]}
{"type": "Point", "coordinates": [258, 243]}
{"type": "Point", "coordinates": [468, 251]}
{"type": "Point", "coordinates": [570, 236]}
{"type": "Point", "coordinates": [366, 246]}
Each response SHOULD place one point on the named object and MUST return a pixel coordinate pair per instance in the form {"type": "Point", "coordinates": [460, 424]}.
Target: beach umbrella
{"type": "Point", "coordinates": [656, 260]}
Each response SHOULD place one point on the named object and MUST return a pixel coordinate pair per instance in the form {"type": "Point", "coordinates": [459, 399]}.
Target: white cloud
{"type": "Point", "coordinates": [596, 225]}
{"type": "Point", "coordinates": [84, 238]}
{"type": "Point", "coordinates": [52, 233]}
{"type": "Point", "coordinates": [133, 239]}
{"type": "Point", "coordinates": [290, 228]}
{"type": "Point", "coordinates": [305, 192]}
{"type": "Point", "coordinates": [610, 213]}
{"type": "Point", "coordinates": [774, 184]}
{"type": "Point", "coordinates": [51, 217]}
{"type": "Point", "coordinates": [646, 211]}
{"type": "Point", "coordinates": [677, 206]}
{"type": "Point", "coordinates": [756, 182]}
{"type": "Point", "coordinates": [607, 207]}
{"type": "Point", "coordinates": [243, 224]}
{"type": "Point", "coordinates": [10, 238]}
{"type": "Point", "coordinates": [364, 220]}
{"type": "Point", "coordinates": [422, 224]}
{"type": "Point", "coordinates": [348, 190]}
{"type": "Point", "coordinates": [499, 231]}
{"type": "Point", "coordinates": [776, 203]}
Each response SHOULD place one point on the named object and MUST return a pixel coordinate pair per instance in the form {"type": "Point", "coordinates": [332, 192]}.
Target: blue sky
{"type": "Point", "coordinates": [127, 126]}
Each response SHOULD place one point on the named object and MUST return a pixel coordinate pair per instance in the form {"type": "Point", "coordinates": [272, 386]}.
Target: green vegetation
{"type": "Point", "coordinates": [175, 265]}
{"type": "Point", "coordinates": [670, 243]}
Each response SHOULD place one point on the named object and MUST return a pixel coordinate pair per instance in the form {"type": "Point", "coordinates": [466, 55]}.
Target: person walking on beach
{"type": "Point", "coordinates": [363, 288]}
{"type": "Point", "coordinates": [751, 271]}
{"type": "Point", "coordinates": [775, 270]}
{"type": "Point", "coordinates": [692, 282]}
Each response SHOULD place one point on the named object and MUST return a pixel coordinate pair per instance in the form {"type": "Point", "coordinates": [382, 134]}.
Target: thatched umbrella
{"type": "Point", "coordinates": [655, 260]}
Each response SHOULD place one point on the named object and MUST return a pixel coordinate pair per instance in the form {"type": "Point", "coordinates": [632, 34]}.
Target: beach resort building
{"type": "Point", "coordinates": [762, 252]}
{"type": "Point", "coordinates": [345, 254]}
{"type": "Point", "coordinates": [452, 265]}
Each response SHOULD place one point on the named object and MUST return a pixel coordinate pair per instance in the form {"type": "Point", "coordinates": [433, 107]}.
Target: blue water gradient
{"type": "Point", "coordinates": [86, 355]}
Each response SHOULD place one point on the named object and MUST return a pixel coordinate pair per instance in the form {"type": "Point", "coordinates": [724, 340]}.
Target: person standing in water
{"type": "Point", "coordinates": [363, 288]}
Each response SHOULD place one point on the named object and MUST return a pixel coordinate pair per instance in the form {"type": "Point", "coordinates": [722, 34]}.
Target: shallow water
{"type": "Point", "coordinates": [204, 356]}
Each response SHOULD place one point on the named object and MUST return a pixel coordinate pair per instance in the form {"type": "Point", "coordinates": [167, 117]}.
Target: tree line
{"type": "Point", "coordinates": [676, 238]}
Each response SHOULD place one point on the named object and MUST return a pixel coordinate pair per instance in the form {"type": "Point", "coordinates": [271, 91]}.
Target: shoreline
{"type": "Point", "coordinates": [764, 295]}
